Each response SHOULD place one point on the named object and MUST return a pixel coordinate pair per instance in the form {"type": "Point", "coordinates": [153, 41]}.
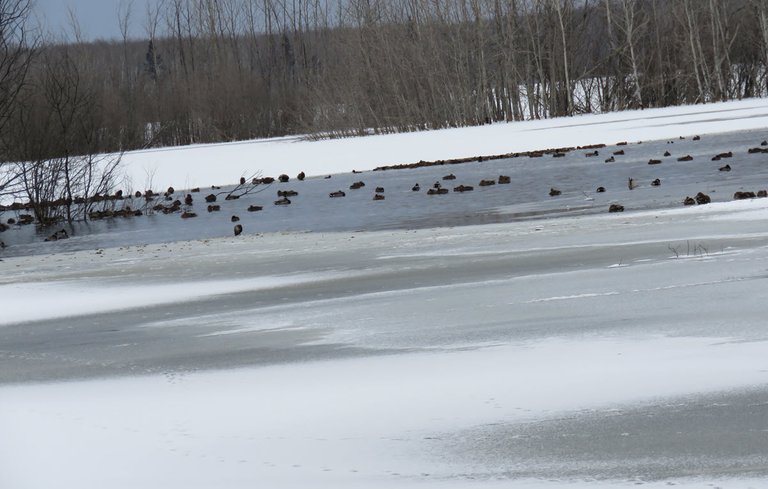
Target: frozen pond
{"type": "Point", "coordinates": [526, 197]}
{"type": "Point", "coordinates": [618, 349]}
{"type": "Point", "coordinates": [489, 339]}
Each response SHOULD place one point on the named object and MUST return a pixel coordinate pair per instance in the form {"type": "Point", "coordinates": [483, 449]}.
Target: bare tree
{"type": "Point", "coordinates": [18, 46]}
{"type": "Point", "coordinates": [61, 160]}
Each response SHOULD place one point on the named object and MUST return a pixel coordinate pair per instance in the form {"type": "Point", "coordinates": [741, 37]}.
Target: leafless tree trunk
{"type": "Point", "coordinates": [630, 29]}
{"type": "Point", "coordinates": [562, 8]}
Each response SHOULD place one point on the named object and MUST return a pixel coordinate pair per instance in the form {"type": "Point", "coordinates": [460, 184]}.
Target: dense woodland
{"type": "Point", "coordinates": [223, 70]}
{"type": "Point", "coordinates": [220, 70]}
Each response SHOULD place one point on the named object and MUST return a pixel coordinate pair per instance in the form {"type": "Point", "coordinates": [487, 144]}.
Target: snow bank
{"type": "Point", "coordinates": [216, 164]}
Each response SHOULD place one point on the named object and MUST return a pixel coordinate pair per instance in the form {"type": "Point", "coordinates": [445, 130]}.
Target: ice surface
{"type": "Point", "coordinates": [587, 350]}
{"type": "Point", "coordinates": [389, 355]}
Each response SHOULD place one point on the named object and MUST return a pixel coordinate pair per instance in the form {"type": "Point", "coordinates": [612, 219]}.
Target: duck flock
{"type": "Point", "coordinates": [148, 202]}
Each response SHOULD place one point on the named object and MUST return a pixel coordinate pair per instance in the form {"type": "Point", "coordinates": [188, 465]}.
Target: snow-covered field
{"type": "Point", "coordinates": [603, 350]}
{"type": "Point", "coordinates": [217, 164]}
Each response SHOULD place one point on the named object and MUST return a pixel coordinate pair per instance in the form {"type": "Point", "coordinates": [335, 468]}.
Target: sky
{"type": "Point", "coordinates": [98, 19]}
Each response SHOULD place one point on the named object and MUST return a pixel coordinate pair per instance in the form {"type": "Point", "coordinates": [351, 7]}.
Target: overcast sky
{"type": "Point", "coordinates": [97, 18]}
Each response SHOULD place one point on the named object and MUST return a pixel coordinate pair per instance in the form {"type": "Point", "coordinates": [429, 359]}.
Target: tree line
{"type": "Point", "coordinates": [224, 70]}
